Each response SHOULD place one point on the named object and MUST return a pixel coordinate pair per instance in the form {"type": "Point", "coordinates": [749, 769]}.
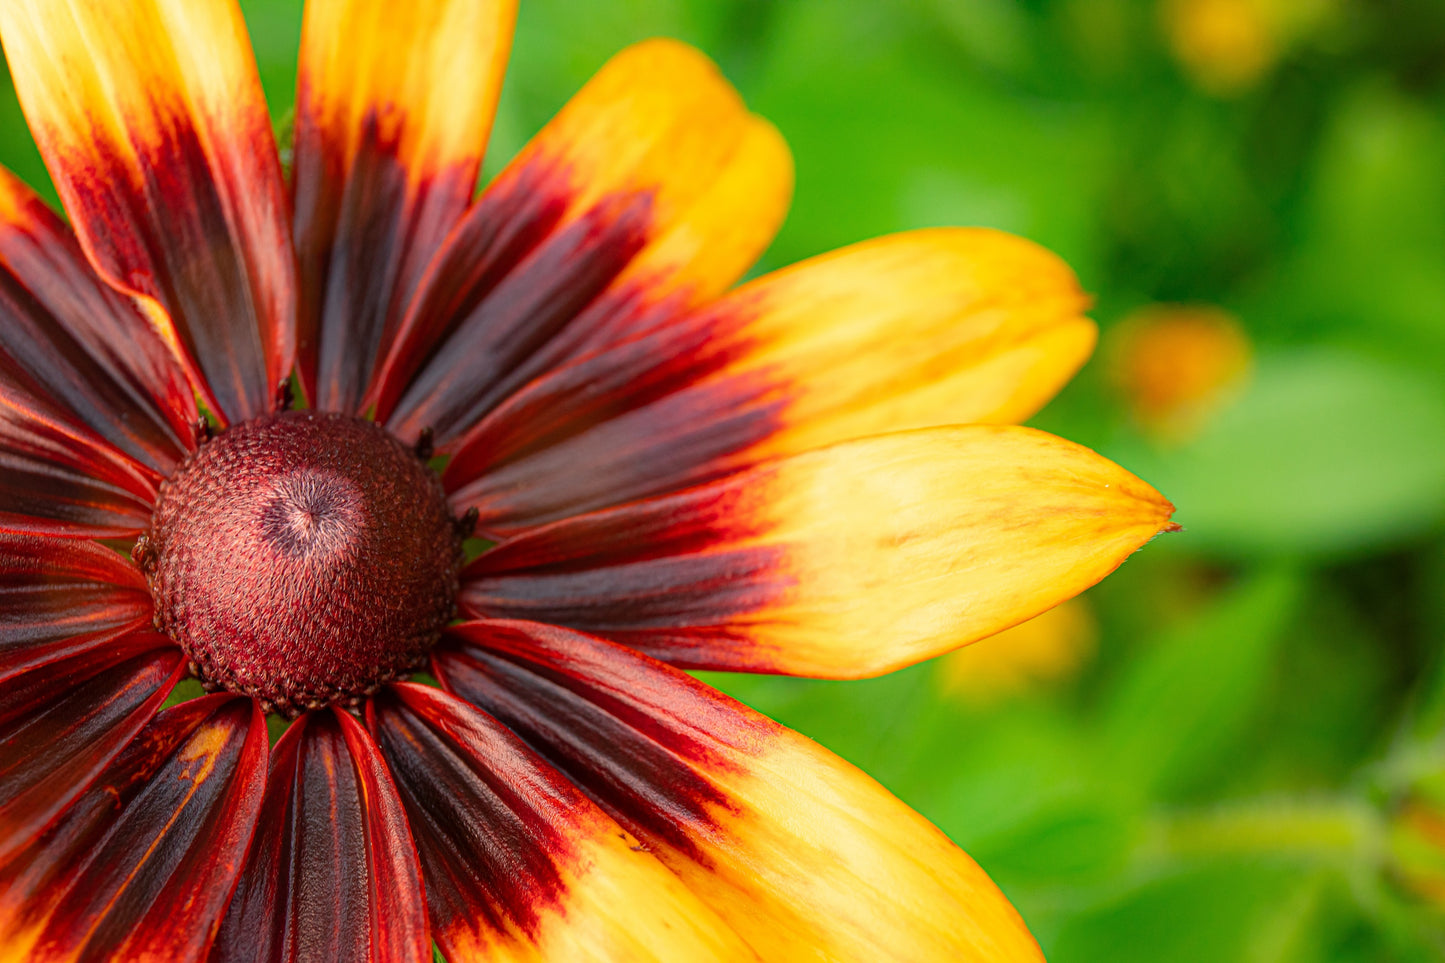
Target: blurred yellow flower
{"type": "Point", "coordinates": [1226, 46]}
{"type": "Point", "coordinates": [1176, 365]}
{"type": "Point", "coordinates": [1046, 648]}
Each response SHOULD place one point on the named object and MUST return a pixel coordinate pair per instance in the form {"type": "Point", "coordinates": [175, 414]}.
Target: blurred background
{"type": "Point", "coordinates": [1234, 748]}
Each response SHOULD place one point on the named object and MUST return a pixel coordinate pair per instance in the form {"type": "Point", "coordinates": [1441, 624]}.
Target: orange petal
{"type": "Point", "coordinates": [151, 120]}
{"type": "Point", "coordinates": [908, 331]}
{"type": "Point", "coordinates": [802, 854]}
{"type": "Point", "coordinates": [653, 186]}
{"type": "Point", "coordinates": [394, 105]}
{"type": "Point", "coordinates": [843, 562]}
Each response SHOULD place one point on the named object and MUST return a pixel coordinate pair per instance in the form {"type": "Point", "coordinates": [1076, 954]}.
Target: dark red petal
{"type": "Point", "coordinates": [332, 875]}
{"type": "Point", "coordinates": [58, 598]}
{"type": "Point", "coordinates": [618, 726]}
{"type": "Point", "coordinates": [83, 345]}
{"type": "Point", "coordinates": [141, 866]}
{"type": "Point", "coordinates": [516, 305]}
{"type": "Point", "coordinates": [488, 820]}
{"type": "Point", "coordinates": [60, 479]}
{"type": "Point", "coordinates": [394, 104]}
{"type": "Point", "coordinates": [62, 723]}
{"type": "Point", "coordinates": [645, 417]}
{"type": "Point", "coordinates": [518, 863]}
{"type": "Point", "coordinates": [672, 576]}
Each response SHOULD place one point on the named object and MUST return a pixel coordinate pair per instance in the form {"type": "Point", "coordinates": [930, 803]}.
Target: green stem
{"type": "Point", "coordinates": [1328, 829]}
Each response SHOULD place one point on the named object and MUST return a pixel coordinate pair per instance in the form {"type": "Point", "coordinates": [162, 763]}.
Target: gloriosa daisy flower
{"type": "Point", "coordinates": [772, 479]}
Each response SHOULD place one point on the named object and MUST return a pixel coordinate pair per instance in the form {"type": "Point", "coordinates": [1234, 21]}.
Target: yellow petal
{"type": "Point", "coordinates": [844, 562]}
{"type": "Point", "coordinates": [660, 119]}
{"type": "Point", "coordinates": [945, 326]}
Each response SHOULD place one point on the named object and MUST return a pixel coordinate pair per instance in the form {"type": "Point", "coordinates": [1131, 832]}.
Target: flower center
{"type": "Point", "coordinates": [303, 558]}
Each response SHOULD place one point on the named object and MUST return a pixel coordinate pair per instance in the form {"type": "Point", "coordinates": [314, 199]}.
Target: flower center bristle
{"type": "Point", "coordinates": [303, 559]}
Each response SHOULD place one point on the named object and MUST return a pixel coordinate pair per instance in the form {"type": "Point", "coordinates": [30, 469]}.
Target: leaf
{"type": "Point", "coordinates": [1326, 453]}
{"type": "Point", "coordinates": [1176, 714]}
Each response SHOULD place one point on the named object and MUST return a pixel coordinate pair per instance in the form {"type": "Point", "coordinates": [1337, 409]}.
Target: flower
{"type": "Point", "coordinates": [1177, 366]}
{"type": "Point", "coordinates": [1228, 46]}
{"type": "Point", "coordinates": [811, 474]}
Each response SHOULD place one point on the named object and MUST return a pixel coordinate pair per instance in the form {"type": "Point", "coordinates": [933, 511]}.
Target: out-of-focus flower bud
{"type": "Point", "coordinates": [1176, 365]}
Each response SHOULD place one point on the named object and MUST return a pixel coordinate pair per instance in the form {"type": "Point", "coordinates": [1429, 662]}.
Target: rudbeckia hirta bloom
{"type": "Point", "coordinates": [813, 474]}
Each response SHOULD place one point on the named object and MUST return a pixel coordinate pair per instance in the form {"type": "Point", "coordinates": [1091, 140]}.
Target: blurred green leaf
{"type": "Point", "coordinates": [1326, 452]}
{"type": "Point", "coordinates": [1176, 714]}
{"type": "Point", "coordinates": [1235, 911]}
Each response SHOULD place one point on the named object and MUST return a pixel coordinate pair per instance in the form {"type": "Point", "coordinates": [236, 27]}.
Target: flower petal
{"type": "Point", "coordinates": [73, 340]}
{"type": "Point", "coordinates": [801, 853]}
{"type": "Point", "coordinates": [332, 873]}
{"type": "Point", "coordinates": [653, 189]}
{"type": "Point", "coordinates": [394, 106]}
{"type": "Point", "coordinates": [61, 598]}
{"type": "Point", "coordinates": [518, 864]}
{"type": "Point", "coordinates": [843, 562]}
{"type": "Point", "coordinates": [150, 116]}
{"type": "Point", "coordinates": [57, 478]}
{"type": "Point", "coordinates": [933, 327]}
{"type": "Point", "coordinates": [142, 864]}
{"type": "Point", "coordinates": [62, 723]}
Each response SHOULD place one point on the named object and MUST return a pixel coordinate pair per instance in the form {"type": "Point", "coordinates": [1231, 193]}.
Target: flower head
{"type": "Point", "coordinates": [813, 473]}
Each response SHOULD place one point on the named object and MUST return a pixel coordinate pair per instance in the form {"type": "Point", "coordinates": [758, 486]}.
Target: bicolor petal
{"type": "Point", "coordinates": [141, 866]}
{"type": "Point", "coordinates": [519, 865]}
{"type": "Point", "coordinates": [394, 106]}
{"type": "Point", "coordinates": [948, 326]}
{"type": "Point", "coordinates": [72, 340]}
{"type": "Point", "coordinates": [332, 874]}
{"type": "Point", "coordinates": [651, 191]}
{"type": "Point", "coordinates": [801, 853]}
{"type": "Point", "coordinates": [844, 562]}
{"type": "Point", "coordinates": [61, 723]}
{"type": "Point", "coordinates": [151, 119]}
{"type": "Point", "coordinates": [60, 598]}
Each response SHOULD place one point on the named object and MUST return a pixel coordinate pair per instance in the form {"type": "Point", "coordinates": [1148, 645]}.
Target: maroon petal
{"type": "Point", "coordinates": [804, 855]}
{"type": "Point", "coordinates": [62, 723]}
{"type": "Point", "coordinates": [57, 478]}
{"type": "Point", "coordinates": [646, 417]}
{"type": "Point", "coordinates": [518, 863]}
{"type": "Point", "coordinates": [142, 864]}
{"type": "Point", "coordinates": [82, 345]}
{"type": "Point", "coordinates": [519, 304]}
{"type": "Point", "coordinates": [59, 598]}
{"type": "Point", "coordinates": [332, 875]}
